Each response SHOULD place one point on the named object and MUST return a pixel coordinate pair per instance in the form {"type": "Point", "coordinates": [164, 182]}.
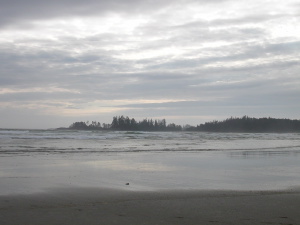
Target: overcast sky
{"type": "Point", "coordinates": [188, 61]}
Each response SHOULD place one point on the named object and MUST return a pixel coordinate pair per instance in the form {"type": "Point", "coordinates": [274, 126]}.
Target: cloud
{"type": "Point", "coordinates": [176, 59]}
{"type": "Point", "coordinates": [20, 11]}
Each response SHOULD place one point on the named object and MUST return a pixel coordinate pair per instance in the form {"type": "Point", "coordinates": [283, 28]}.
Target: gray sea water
{"type": "Point", "coordinates": [39, 160]}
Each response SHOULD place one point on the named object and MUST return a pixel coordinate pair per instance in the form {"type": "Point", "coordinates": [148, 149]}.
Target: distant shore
{"type": "Point", "coordinates": [104, 206]}
{"type": "Point", "coordinates": [244, 124]}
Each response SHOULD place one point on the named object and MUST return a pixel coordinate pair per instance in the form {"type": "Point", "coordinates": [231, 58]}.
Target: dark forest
{"type": "Point", "coordinates": [233, 124]}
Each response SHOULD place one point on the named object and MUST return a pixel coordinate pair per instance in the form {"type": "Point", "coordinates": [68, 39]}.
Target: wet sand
{"type": "Point", "coordinates": [106, 206]}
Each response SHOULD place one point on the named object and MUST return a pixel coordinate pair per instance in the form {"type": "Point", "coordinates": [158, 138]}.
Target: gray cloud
{"type": "Point", "coordinates": [20, 11]}
{"type": "Point", "coordinates": [184, 60]}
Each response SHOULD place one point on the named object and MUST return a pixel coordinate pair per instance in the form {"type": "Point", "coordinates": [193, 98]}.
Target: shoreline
{"type": "Point", "coordinates": [113, 206]}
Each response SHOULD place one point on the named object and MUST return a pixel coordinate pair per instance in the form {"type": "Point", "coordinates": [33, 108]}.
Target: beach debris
{"type": "Point", "coordinates": [127, 183]}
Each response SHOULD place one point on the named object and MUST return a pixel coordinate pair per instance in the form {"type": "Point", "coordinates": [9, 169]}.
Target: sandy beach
{"type": "Point", "coordinates": [58, 178]}
{"type": "Point", "coordinates": [104, 206]}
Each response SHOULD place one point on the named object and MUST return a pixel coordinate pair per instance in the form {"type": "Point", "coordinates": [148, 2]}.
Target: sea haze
{"type": "Point", "coordinates": [39, 160]}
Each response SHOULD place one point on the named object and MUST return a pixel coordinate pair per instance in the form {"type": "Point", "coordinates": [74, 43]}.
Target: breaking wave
{"type": "Point", "coordinates": [28, 142]}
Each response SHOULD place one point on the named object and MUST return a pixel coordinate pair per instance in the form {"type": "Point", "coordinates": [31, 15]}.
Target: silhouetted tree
{"type": "Point", "coordinates": [232, 124]}
{"type": "Point", "coordinates": [247, 124]}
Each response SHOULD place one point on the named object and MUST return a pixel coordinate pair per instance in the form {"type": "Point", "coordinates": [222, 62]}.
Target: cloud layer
{"type": "Point", "coordinates": [187, 61]}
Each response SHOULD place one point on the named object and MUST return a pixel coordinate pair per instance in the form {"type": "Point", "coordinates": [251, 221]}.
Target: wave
{"type": "Point", "coordinates": [91, 142]}
{"type": "Point", "coordinates": [28, 150]}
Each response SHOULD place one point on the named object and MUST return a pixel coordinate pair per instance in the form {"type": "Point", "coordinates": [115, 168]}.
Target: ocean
{"type": "Point", "coordinates": [39, 160]}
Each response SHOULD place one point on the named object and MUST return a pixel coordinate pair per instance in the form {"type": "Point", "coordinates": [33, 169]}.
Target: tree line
{"type": "Point", "coordinates": [129, 124]}
{"type": "Point", "coordinates": [94, 125]}
{"type": "Point", "coordinates": [248, 124]}
{"type": "Point", "coordinates": [232, 124]}
{"type": "Point", "coordinates": [125, 123]}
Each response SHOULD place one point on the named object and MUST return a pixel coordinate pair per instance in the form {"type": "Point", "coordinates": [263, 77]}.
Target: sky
{"type": "Point", "coordinates": [188, 61]}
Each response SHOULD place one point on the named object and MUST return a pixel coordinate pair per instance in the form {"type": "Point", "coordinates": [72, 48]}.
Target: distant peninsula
{"type": "Point", "coordinates": [244, 124]}
{"type": "Point", "coordinates": [251, 125]}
